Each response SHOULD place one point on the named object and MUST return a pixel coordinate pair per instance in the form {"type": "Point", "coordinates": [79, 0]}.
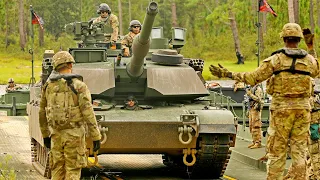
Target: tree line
{"type": "Point", "coordinates": [209, 23]}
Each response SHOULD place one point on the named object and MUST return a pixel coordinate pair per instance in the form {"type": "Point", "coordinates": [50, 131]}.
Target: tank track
{"type": "Point", "coordinates": [40, 158]}
{"type": "Point", "coordinates": [213, 155]}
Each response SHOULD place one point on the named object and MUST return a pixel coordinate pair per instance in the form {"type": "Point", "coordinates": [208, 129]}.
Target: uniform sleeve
{"type": "Point", "coordinates": [257, 95]}
{"type": "Point", "coordinates": [114, 24]}
{"type": "Point", "coordinates": [42, 114]}
{"type": "Point", "coordinates": [124, 42]}
{"type": "Point", "coordinates": [312, 52]}
{"type": "Point", "coordinates": [97, 20]}
{"type": "Point", "coordinates": [315, 67]}
{"type": "Point", "coordinates": [87, 112]}
{"type": "Point", "coordinates": [262, 73]}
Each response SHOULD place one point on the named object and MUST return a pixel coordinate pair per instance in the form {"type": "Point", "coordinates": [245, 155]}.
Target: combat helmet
{"type": "Point", "coordinates": [61, 58]}
{"type": "Point", "coordinates": [103, 7]}
{"type": "Point", "coordinates": [10, 80]}
{"type": "Point", "coordinates": [134, 22]}
{"type": "Point", "coordinates": [291, 30]}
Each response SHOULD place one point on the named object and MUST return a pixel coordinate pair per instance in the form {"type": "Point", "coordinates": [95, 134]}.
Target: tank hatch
{"type": "Point", "coordinates": [167, 57]}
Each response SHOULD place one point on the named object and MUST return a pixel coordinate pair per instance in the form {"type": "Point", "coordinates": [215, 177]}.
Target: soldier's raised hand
{"type": "Point", "coordinates": [220, 71]}
{"type": "Point", "coordinates": [308, 36]}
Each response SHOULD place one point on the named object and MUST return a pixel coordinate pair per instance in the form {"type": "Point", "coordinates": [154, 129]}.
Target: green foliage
{"type": "Point", "coordinates": [17, 64]}
{"type": "Point", "coordinates": [6, 173]}
{"type": "Point", "coordinates": [209, 35]}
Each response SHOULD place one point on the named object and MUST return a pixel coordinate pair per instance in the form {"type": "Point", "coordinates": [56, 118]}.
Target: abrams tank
{"type": "Point", "coordinates": [146, 106]}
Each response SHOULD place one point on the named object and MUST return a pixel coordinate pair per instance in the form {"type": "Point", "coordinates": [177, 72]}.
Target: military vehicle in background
{"type": "Point", "coordinates": [14, 103]}
{"type": "Point", "coordinates": [153, 105]}
{"type": "Point", "coordinates": [238, 103]}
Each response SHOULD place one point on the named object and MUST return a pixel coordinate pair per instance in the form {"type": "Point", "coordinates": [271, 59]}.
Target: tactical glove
{"type": "Point", "coordinates": [308, 37]}
{"type": "Point", "coordinates": [47, 142]}
{"type": "Point", "coordinates": [96, 145]}
{"type": "Point", "coordinates": [220, 71]}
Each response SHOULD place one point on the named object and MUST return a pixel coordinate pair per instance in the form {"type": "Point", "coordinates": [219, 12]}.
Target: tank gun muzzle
{"type": "Point", "coordinates": [141, 43]}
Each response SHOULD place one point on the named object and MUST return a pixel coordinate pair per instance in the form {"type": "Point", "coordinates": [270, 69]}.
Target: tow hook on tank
{"type": "Point", "coordinates": [191, 152]}
{"type": "Point", "coordinates": [190, 123]}
{"type": "Point", "coordinates": [185, 130]}
{"type": "Point", "coordinates": [103, 131]}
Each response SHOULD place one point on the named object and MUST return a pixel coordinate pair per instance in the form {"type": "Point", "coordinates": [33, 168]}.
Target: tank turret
{"type": "Point", "coordinates": [149, 103]}
{"type": "Point", "coordinates": [141, 43]}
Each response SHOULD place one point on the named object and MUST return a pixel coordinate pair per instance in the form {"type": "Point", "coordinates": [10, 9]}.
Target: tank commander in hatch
{"type": "Point", "coordinates": [126, 43]}
{"type": "Point", "coordinates": [110, 19]}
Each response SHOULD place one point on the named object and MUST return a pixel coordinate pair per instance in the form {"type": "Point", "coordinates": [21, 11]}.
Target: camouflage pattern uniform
{"type": "Point", "coordinates": [65, 112]}
{"type": "Point", "coordinates": [238, 85]}
{"type": "Point", "coordinates": [111, 20]}
{"type": "Point", "coordinates": [256, 100]}
{"type": "Point", "coordinates": [128, 40]}
{"type": "Point", "coordinates": [290, 71]}
{"type": "Point", "coordinates": [314, 145]}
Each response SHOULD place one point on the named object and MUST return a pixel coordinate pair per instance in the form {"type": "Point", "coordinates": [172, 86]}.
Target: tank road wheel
{"type": "Point", "coordinates": [213, 155]}
{"type": "Point", "coordinates": [40, 158]}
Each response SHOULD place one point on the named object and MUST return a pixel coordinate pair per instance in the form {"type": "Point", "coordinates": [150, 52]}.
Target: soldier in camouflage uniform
{"type": "Point", "coordinates": [12, 86]}
{"type": "Point", "coordinates": [290, 70]}
{"type": "Point", "coordinates": [135, 28]}
{"type": "Point", "coordinates": [65, 111]}
{"type": "Point", "coordinates": [110, 19]}
{"type": "Point", "coordinates": [255, 102]}
{"type": "Point", "coordinates": [313, 148]}
{"type": "Point", "coordinates": [313, 140]}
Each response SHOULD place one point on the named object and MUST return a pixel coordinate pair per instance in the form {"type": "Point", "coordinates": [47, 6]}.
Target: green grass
{"type": "Point", "coordinates": [230, 65]}
{"type": "Point", "coordinates": [17, 64]}
{"type": "Point", "coordinates": [18, 67]}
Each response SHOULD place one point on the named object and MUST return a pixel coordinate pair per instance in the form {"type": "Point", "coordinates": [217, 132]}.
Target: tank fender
{"type": "Point", "coordinates": [216, 121]}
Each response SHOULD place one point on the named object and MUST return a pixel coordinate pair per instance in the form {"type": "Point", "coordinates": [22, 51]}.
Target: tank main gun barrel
{"type": "Point", "coordinates": [141, 43]}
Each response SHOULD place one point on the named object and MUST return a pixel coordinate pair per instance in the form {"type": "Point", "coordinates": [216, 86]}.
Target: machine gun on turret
{"type": "Point", "coordinates": [89, 35]}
